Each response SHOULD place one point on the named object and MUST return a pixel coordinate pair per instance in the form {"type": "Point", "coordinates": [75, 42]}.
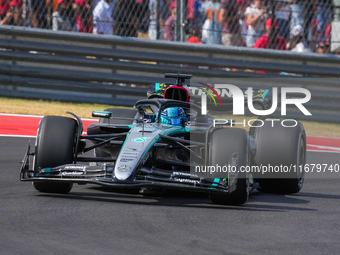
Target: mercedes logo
{"type": "Point", "coordinates": [124, 168]}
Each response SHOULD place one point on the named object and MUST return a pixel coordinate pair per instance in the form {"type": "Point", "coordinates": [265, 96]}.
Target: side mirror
{"type": "Point", "coordinates": [102, 114]}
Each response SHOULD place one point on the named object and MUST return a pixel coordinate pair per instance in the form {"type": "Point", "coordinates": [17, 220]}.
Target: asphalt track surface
{"type": "Point", "coordinates": [91, 220]}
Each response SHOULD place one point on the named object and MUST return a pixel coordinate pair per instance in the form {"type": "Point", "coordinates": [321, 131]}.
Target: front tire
{"type": "Point", "coordinates": [55, 146]}
{"type": "Point", "coordinates": [225, 143]}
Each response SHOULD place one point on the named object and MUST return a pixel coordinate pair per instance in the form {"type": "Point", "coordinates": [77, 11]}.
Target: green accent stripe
{"type": "Point", "coordinates": [156, 86]}
{"type": "Point", "coordinates": [216, 182]}
{"type": "Point", "coordinates": [264, 94]}
{"type": "Point", "coordinates": [208, 92]}
{"type": "Point", "coordinates": [127, 136]}
{"type": "Point", "coordinates": [167, 132]}
{"type": "Point", "coordinates": [48, 170]}
{"type": "Point", "coordinates": [102, 111]}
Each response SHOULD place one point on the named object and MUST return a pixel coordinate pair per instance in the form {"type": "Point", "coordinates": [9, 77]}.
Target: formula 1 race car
{"type": "Point", "coordinates": [166, 143]}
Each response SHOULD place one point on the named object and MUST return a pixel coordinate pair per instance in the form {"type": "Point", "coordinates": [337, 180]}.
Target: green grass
{"type": "Point", "coordinates": [40, 107]}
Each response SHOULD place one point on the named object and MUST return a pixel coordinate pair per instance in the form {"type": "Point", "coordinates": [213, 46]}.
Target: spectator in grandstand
{"type": "Point", "coordinates": [309, 16]}
{"type": "Point", "coordinates": [322, 15]}
{"type": "Point", "coordinates": [194, 15]}
{"type": "Point", "coordinates": [282, 14]}
{"type": "Point", "coordinates": [124, 15]}
{"type": "Point", "coordinates": [297, 42]}
{"type": "Point", "coordinates": [242, 5]}
{"type": "Point", "coordinates": [212, 25]}
{"type": "Point", "coordinates": [142, 15]}
{"type": "Point", "coordinates": [163, 15]}
{"type": "Point", "coordinates": [6, 13]}
{"type": "Point", "coordinates": [102, 18]}
{"type": "Point", "coordinates": [193, 37]}
{"type": "Point", "coordinates": [190, 19]}
{"type": "Point", "coordinates": [17, 7]}
{"type": "Point", "coordinates": [94, 4]}
{"type": "Point", "coordinates": [212, 5]}
{"type": "Point", "coordinates": [302, 13]}
{"type": "Point", "coordinates": [297, 13]}
{"type": "Point", "coordinates": [205, 31]}
{"type": "Point", "coordinates": [103, 22]}
{"type": "Point", "coordinates": [165, 12]}
{"type": "Point", "coordinates": [256, 16]}
{"type": "Point", "coordinates": [152, 32]}
{"type": "Point", "coordinates": [64, 17]}
{"type": "Point", "coordinates": [229, 17]}
{"type": "Point", "coordinates": [83, 16]}
{"type": "Point", "coordinates": [38, 12]}
{"type": "Point", "coordinates": [264, 41]}
{"type": "Point", "coordinates": [199, 13]}
{"type": "Point", "coordinates": [322, 47]}
{"type": "Point", "coordinates": [169, 25]}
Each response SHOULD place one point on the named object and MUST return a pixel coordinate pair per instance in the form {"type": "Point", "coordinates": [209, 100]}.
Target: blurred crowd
{"type": "Point", "coordinates": [296, 25]}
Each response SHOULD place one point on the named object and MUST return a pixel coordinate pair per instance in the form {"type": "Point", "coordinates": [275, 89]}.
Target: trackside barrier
{"type": "Point", "coordinates": [36, 63]}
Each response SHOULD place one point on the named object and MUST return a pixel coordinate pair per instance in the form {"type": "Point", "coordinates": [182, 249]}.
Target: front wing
{"type": "Point", "coordinates": [146, 177]}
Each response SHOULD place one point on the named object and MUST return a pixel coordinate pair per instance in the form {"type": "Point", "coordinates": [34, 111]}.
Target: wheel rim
{"type": "Point", "coordinates": [301, 160]}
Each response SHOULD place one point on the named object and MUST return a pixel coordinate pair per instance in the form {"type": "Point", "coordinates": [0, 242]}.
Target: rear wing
{"type": "Point", "coordinates": [180, 78]}
{"type": "Point", "coordinates": [260, 97]}
{"type": "Point", "coordinates": [217, 100]}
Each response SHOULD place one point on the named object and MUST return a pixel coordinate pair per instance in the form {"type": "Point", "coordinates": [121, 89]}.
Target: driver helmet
{"type": "Point", "coordinates": [172, 116]}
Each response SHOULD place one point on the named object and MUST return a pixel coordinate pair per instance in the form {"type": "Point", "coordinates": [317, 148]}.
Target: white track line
{"type": "Point", "coordinates": [325, 147]}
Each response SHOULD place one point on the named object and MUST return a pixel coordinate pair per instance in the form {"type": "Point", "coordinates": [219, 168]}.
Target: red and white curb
{"type": "Point", "coordinates": [18, 125]}
{"type": "Point", "coordinates": [324, 144]}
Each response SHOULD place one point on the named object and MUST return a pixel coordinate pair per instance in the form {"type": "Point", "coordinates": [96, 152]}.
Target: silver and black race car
{"type": "Point", "coordinates": [165, 143]}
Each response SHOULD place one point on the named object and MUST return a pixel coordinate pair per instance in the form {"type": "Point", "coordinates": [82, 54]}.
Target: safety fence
{"type": "Point", "coordinates": [79, 67]}
{"type": "Point", "coordinates": [304, 25]}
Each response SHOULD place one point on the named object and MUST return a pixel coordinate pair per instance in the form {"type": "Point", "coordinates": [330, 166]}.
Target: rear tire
{"type": "Point", "coordinates": [284, 146]}
{"type": "Point", "coordinates": [55, 146]}
{"type": "Point", "coordinates": [224, 143]}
